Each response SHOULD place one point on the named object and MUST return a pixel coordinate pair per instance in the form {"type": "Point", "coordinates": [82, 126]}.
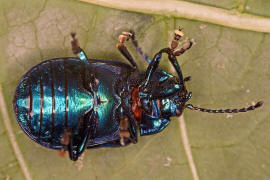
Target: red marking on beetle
{"type": "Point", "coordinates": [136, 109]}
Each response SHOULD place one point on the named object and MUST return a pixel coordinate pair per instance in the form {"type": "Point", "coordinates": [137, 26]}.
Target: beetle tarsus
{"type": "Point", "coordinates": [188, 78]}
{"type": "Point", "coordinates": [185, 47]}
{"type": "Point", "coordinates": [125, 36]}
{"type": "Point", "coordinates": [75, 44]}
{"type": "Point", "coordinates": [124, 133]}
{"type": "Point", "coordinates": [177, 36]}
{"type": "Point", "coordinates": [62, 152]}
{"type": "Point", "coordinates": [65, 141]}
{"type": "Point", "coordinates": [77, 50]}
{"type": "Point", "coordinates": [138, 49]}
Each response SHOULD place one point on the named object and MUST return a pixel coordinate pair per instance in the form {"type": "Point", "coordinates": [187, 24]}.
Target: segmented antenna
{"type": "Point", "coordinates": [250, 108]}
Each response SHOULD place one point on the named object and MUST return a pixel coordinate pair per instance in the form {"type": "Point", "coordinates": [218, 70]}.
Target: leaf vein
{"type": "Point", "coordinates": [183, 9]}
{"type": "Point", "coordinates": [12, 137]}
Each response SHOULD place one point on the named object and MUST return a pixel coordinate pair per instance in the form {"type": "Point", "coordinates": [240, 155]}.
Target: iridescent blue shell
{"type": "Point", "coordinates": [54, 95]}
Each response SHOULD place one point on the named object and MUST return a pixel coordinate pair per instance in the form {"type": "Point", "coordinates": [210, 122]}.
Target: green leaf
{"type": "Point", "coordinates": [229, 68]}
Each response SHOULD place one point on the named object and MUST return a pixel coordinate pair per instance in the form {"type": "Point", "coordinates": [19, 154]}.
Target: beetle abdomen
{"type": "Point", "coordinates": [50, 98]}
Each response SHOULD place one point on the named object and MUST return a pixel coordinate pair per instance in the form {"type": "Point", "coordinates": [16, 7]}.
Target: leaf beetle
{"type": "Point", "coordinates": [71, 104]}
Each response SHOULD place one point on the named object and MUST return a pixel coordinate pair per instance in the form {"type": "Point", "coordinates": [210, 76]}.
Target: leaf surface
{"type": "Point", "coordinates": [229, 68]}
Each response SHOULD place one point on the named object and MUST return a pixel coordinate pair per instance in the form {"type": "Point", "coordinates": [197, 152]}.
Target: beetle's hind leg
{"type": "Point", "coordinates": [124, 132]}
{"type": "Point", "coordinates": [76, 49]}
{"type": "Point", "coordinates": [125, 36]}
{"type": "Point", "coordinates": [68, 143]}
{"type": "Point", "coordinates": [65, 141]}
{"type": "Point", "coordinates": [74, 146]}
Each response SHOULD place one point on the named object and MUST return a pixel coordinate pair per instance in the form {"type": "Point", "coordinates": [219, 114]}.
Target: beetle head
{"type": "Point", "coordinates": [174, 104]}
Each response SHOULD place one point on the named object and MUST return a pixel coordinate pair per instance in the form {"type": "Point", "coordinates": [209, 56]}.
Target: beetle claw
{"type": "Point", "coordinates": [188, 78]}
{"type": "Point", "coordinates": [132, 34]}
{"type": "Point", "coordinates": [124, 140]}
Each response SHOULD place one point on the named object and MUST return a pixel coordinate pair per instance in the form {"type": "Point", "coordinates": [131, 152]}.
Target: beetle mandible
{"type": "Point", "coordinates": [71, 104]}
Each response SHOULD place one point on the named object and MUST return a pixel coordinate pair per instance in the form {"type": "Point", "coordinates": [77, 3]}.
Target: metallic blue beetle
{"type": "Point", "coordinates": [71, 104]}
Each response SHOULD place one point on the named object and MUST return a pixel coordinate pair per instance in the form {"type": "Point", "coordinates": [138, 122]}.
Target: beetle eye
{"type": "Point", "coordinates": [189, 96]}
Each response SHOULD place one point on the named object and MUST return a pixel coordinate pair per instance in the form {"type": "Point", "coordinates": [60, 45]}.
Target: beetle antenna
{"type": "Point", "coordinates": [250, 108]}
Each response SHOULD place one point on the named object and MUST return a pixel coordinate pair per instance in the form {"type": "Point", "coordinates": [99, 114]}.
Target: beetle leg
{"type": "Point", "coordinates": [185, 47]}
{"type": "Point", "coordinates": [152, 125]}
{"type": "Point", "coordinates": [177, 36]}
{"type": "Point", "coordinates": [157, 94]}
{"type": "Point", "coordinates": [152, 67]}
{"type": "Point", "coordinates": [88, 134]}
{"type": "Point", "coordinates": [177, 68]}
{"type": "Point", "coordinates": [138, 49]}
{"type": "Point", "coordinates": [77, 50]}
{"type": "Point", "coordinates": [188, 78]}
{"type": "Point", "coordinates": [124, 132]}
{"type": "Point", "coordinates": [65, 141]}
{"type": "Point", "coordinates": [75, 153]}
{"type": "Point", "coordinates": [165, 76]}
{"type": "Point", "coordinates": [145, 57]}
{"type": "Point", "coordinates": [171, 54]}
{"type": "Point", "coordinates": [123, 49]}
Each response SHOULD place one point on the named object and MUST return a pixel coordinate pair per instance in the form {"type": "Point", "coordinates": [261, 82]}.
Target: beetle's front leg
{"type": "Point", "coordinates": [152, 125]}
{"type": "Point", "coordinates": [77, 50]}
{"type": "Point", "coordinates": [185, 47]}
{"type": "Point", "coordinates": [177, 36]}
{"type": "Point", "coordinates": [152, 67]}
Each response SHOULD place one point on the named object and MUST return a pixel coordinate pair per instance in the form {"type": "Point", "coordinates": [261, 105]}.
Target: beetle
{"type": "Point", "coordinates": [71, 104]}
